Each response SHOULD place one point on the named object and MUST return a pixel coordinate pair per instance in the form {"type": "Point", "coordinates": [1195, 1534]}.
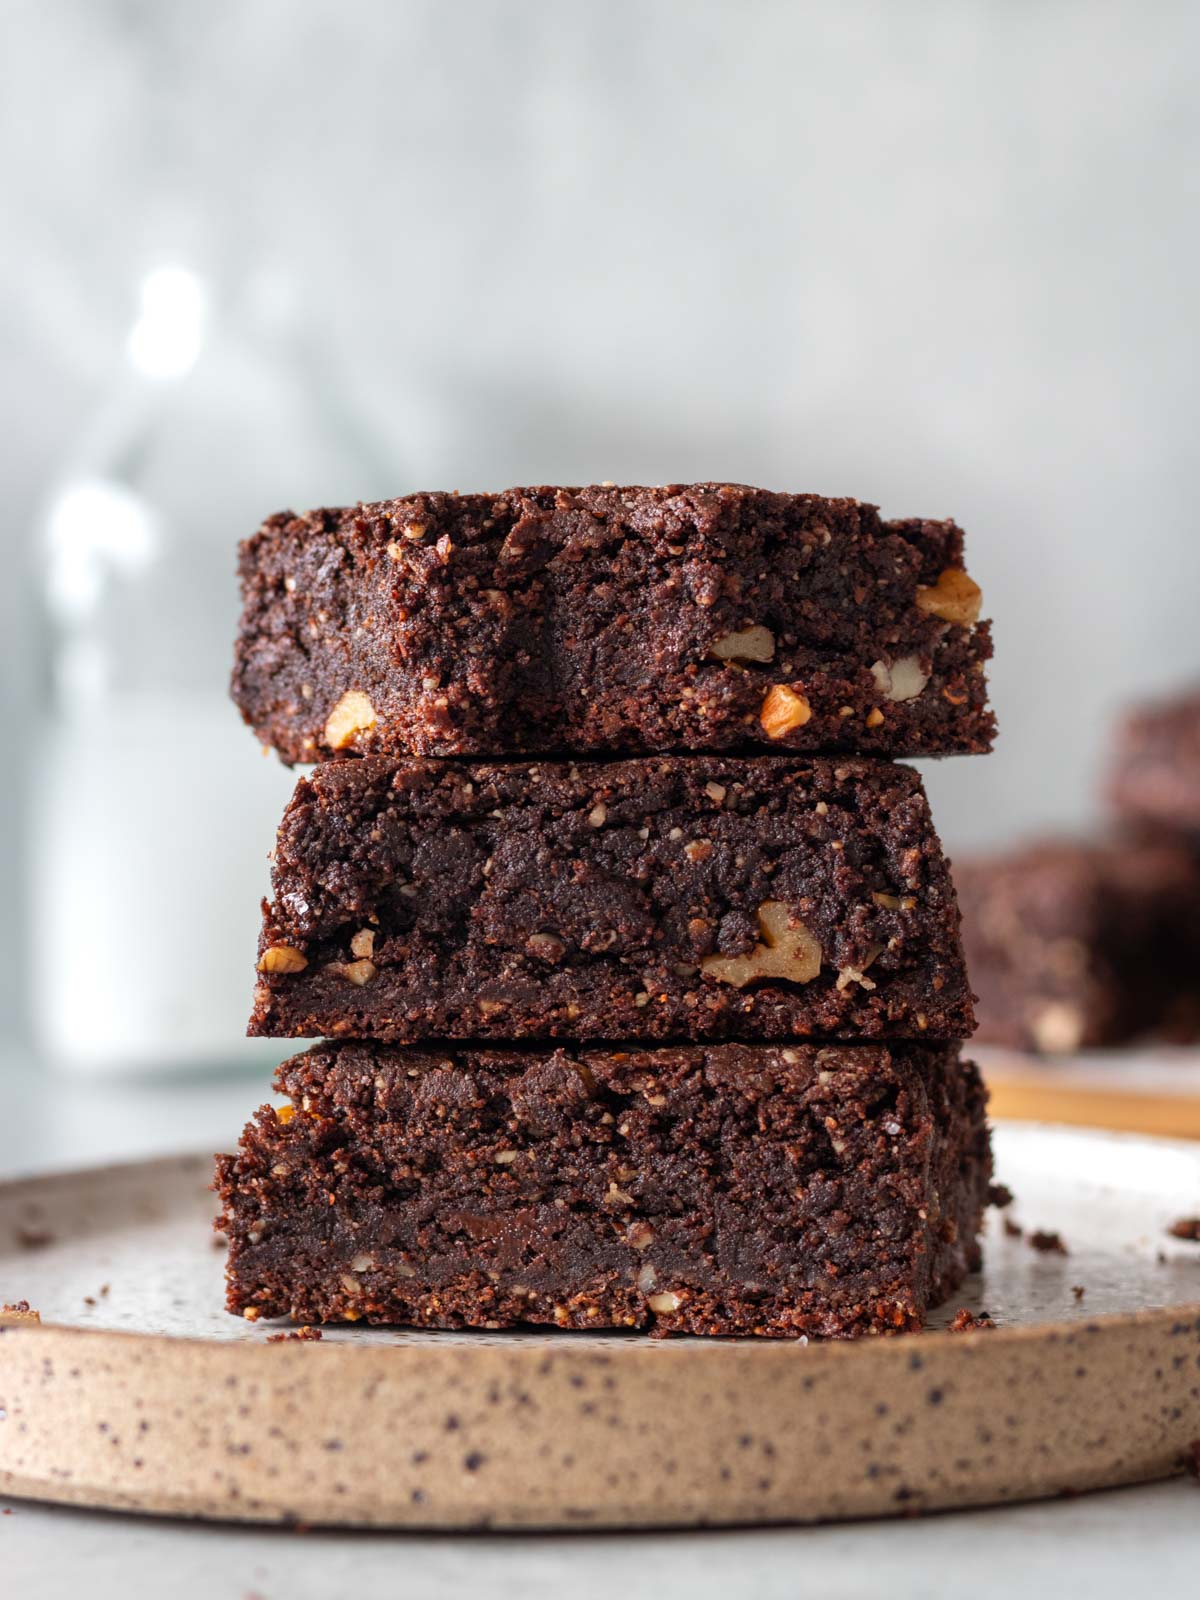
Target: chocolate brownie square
{"type": "Point", "coordinates": [730, 1189]}
{"type": "Point", "coordinates": [1154, 778]}
{"type": "Point", "coordinates": [675, 897]}
{"type": "Point", "coordinates": [610, 620]}
{"type": "Point", "coordinates": [1074, 944]}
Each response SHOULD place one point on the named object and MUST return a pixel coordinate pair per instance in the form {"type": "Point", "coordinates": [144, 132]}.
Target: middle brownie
{"type": "Point", "coordinates": [697, 897]}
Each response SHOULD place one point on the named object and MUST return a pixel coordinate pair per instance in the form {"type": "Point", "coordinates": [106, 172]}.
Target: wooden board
{"type": "Point", "coordinates": [1144, 1090]}
{"type": "Point", "coordinates": [137, 1392]}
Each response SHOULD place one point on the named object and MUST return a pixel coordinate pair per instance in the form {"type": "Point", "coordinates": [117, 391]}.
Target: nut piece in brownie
{"type": "Point", "coordinates": [1075, 944]}
{"type": "Point", "coordinates": [610, 620]}
{"type": "Point", "coordinates": [1154, 777]}
{"type": "Point", "coordinates": [694, 897]}
{"type": "Point", "coordinates": [733, 1189]}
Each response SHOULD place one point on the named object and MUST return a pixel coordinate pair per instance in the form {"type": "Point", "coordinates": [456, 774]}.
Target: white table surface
{"type": "Point", "coordinates": [1097, 1545]}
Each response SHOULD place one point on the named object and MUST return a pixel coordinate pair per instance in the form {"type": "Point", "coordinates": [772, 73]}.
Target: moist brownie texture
{"type": "Point", "coordinates": [1072, 945]}
{"type": "Point", "coordinates": [1155, 772]}
{"type": "Point", "coordinates": [674, 897]}
{"type": "Point", "coordinates": [733, 1189]}
{"type": "Point", "coordinates": [610, 620]}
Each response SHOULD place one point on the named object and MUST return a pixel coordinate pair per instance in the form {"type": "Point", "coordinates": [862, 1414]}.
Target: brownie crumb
{"type": "Point", "coordinates": [1078, 1290]}
{"type": "Point", "coordinates": [34, 1238]}
{"type": "Point", "coordinates": [1012, 1229]}
{"type": "Point", "coordinates": [305, 1335]}
{"type": "Point", "coordinates": [20, 1311]}
{"type": "Point", "coordinates": [1046, 1242]}
{"type": "Point", "coordinates": [999, 1195]}
{"type": "Point", "coordinates": [970, 1321]}
{"type": "Point", "coordinates": [1185, 1228]}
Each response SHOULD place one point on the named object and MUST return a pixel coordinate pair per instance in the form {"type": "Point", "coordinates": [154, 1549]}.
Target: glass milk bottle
{"type": "Point", "coordinates": [153, 811]}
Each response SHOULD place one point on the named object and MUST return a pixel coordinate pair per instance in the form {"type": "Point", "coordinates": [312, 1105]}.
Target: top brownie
{"type": "Point", "coordinates": [1154, 777]}
{"type": "Point", "coordinates": [702, 617]}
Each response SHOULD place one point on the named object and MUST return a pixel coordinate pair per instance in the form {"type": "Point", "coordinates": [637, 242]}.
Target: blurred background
{"type": "Point", "coordinates": [264, 253]}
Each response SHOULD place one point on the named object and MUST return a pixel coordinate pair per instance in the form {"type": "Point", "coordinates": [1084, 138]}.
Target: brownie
{"type": "Point", "coordinates": [672, 897]}
{"type": "Point", "coordinates": [1074, 944]}
{"type": "Point", "coordinates": [613, 621]}
{"type": "Point", "coordinates": [729, 1189]}
{"type": "Point", "coordinates": [1154, 778]}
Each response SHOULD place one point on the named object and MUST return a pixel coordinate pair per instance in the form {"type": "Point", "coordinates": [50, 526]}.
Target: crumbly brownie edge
{"type": "Point", "coordinates": [772, 1191]}
{"type": "Point", "coordinates": [476, 625]}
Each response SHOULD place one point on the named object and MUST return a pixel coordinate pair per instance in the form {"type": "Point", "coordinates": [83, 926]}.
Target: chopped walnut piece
{"type": "Point", "coordinates": [787, 951]}
{"type": "Point", "coordinates": [874, 718]}
{"type": "Point", "coordinates": [546, 945]}
{"type": "Point", "coordinates": [782, 710]}
{"type": "Point", "coordinates": [284, 1114]}
{"type": "Point", "coordinates": [665, 1301]}
{"type": "Point", "coordinates": [353, 714]}
{"type": "Point", "coordinates": [900, 680]}
{"type": "Point", "coordinates": [954, 597]}
{"type": "Point", "coordinates": [363, 942]}
{"type": "Point", "coordinates": [1057, 1028]}
{"type": "Point", "coordinates": [282, 958]}
{"type": "Point", "coordinates": [749, 644]}
{"type": "Point", "coordinates": [848, 975]}
{"type": "Point", "coordinates": [356, 972]}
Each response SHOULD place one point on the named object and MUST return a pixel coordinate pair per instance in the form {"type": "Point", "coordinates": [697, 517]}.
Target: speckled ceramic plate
{"type": "Point", "coordinates": [137, 1392]}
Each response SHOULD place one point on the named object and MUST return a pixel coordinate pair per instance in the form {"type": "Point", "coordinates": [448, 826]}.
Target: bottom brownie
{"type": "Point", "coordinates": [728, 1189]}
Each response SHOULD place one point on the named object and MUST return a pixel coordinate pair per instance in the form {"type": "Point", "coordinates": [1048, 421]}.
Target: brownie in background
{"type": "Point", "coordinates": [1154, 775]}
{"type": "Point", "coordinates": [1074, 944]}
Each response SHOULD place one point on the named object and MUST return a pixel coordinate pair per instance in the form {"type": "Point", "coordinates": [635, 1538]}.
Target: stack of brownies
{"type": "Point", "coordinates": [636, 957]}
